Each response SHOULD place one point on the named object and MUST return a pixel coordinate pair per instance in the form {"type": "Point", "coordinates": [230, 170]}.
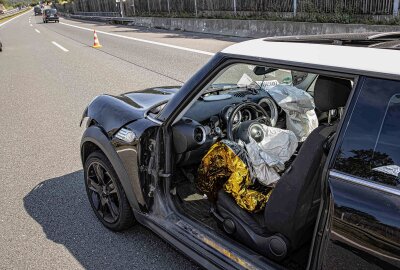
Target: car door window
{"type": "Point", "coordinates": [371, 145]}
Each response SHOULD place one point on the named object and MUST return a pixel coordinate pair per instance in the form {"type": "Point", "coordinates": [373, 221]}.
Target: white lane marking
{"type": "Point", "coordinates": [59, 46]}
{"type": "Point", "coordinates": [1, 24]}
{"type": "Point", "coordinates": [37, 31]}
{"type": "Point", "coordinates": [31, 25]}
{"type": "Point", "coordinates": [143, 40]}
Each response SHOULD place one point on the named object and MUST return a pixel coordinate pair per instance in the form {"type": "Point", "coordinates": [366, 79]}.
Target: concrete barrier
{"type": "Point", "coordinates": [246, 28]}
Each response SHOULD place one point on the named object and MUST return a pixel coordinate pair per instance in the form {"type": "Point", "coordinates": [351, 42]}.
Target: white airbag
{"type": "Point", "coordinates": [299, 108]}
{"type": "Point", "coordinates": [269, 156]}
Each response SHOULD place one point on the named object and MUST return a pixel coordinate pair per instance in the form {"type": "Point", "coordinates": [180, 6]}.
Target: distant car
{"type": "Point", "coordinates": [2, 11]}
{"type": "Point", "coordinates": [37, 11]}
{"type": "Point", "coordinates": [1, 47]}
{"type": "Point", "coordinates": [50, 15]}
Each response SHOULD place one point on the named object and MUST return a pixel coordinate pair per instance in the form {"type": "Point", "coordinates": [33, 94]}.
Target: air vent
{"type": "Point", "coordinates": [241, 93]}
{"type": "Point", "coordinates": [199, 135]}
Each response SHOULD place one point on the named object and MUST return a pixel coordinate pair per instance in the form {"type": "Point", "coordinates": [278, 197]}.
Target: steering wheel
{"type": "Point", "coordinates": [257, 109]}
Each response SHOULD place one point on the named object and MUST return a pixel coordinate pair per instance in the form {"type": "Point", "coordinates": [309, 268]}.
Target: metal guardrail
{"type": "Point", "coordinates": [98, 14]}
{"type": "Point", "coordinates": [12, 12]}
{"type": "Point", "coordinates": [97, 17]}
{"type": "Point", "coordinates": [102, 18]}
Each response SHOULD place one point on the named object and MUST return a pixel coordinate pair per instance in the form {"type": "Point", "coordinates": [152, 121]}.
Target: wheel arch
{"type": "Point", "coordinates": [94, 139]}
{"type": "Point", "coordinates": [87, 148]}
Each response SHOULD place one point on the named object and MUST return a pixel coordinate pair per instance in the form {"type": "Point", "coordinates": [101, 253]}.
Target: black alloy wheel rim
{"type": "Point", "coordinates": [103, 193]}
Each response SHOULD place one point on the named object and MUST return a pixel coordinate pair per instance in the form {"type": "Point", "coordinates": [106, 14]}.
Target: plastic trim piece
{"type": "Point", "coordinates": [154, 120]}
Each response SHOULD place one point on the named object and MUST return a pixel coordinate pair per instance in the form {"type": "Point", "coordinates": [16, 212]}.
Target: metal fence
{"type": "Point", "coordinates": [209, 7]}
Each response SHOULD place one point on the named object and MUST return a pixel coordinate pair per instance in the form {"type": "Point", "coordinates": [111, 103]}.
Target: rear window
{"type": "Point", "coordinates": [51, 11]}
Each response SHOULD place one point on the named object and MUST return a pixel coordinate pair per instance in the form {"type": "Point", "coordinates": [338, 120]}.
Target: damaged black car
{"type": "Point", "coordinates": [278, 153]}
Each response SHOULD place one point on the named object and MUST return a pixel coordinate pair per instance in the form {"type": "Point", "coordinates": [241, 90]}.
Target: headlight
{"type": "Point", "coordinates": [126, 135]}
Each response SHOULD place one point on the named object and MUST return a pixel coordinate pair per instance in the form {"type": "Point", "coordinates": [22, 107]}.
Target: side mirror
{"type": "Point", "coordinates": [261, 70]}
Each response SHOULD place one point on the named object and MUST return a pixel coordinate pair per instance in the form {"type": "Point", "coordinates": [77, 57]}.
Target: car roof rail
{"type": "Point", "coordinates": [392, 35]}
{"type": "Point", "coordinates": [382, 40]}
{"type": "Point", "coordinates": [393, 44]}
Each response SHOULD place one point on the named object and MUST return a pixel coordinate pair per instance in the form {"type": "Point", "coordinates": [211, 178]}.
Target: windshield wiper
{"type": "Point", "coordinates": [218, 88]}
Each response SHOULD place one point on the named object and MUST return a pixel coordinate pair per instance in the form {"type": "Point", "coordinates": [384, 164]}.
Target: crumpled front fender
{"type": "Point", "coordinates": [111, 113]}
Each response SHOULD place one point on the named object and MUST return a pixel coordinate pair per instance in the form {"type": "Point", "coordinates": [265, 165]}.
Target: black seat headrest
{"type": "Point", "coordinates": [331, 93]}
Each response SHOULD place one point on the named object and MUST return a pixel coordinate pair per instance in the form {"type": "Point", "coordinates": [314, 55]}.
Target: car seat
{"type": "Point", "coordinates": [288, 220]}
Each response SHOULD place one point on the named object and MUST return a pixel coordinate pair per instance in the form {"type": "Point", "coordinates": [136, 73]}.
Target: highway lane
{"type": "Point", "coordinates": [139, 53]}
{"type": "Point", "coordinates": [45, 218]}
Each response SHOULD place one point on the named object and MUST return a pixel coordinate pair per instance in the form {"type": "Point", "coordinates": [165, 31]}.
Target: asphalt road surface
{"type": "Point", "coordinates": [48, 74]}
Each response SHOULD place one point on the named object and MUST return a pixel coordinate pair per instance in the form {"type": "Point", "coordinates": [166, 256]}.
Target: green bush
{"type": "Point", "coordinates": [313, 16]}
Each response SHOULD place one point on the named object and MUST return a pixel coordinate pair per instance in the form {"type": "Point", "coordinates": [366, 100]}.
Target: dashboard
{"type": "Point", "coordinates": [206, 121]}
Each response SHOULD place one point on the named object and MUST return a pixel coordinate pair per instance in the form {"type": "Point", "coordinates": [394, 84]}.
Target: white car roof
{"type": "Point", "coordinates": [356, 58]}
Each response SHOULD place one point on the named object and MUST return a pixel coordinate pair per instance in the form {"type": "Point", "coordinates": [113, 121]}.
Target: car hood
{"type": "Point", "coordinates": [148, 98]}
{"type": "Point", "coordinates": [113, 112]}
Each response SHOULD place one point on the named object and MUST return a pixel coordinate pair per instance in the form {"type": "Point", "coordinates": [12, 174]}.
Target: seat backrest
{"type": "Point", "coordinates": [292, 209]}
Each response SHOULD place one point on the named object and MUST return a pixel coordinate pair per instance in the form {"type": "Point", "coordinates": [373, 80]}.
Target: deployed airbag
{"type": "Point", "coordinates": [299, 108]}
{"type": "Point", "coordinates": [268, 156]}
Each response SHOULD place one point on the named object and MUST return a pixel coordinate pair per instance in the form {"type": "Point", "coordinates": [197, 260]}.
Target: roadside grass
{"type": "Point", "coordinates": [12, 16]}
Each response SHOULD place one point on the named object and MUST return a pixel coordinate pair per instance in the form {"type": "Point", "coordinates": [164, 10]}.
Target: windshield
{"type": "Point", "coordinates": [244, 76]}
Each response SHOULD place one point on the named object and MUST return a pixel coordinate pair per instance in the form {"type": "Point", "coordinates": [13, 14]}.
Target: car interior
{"type": "Point", "coordinates": [243, 107]}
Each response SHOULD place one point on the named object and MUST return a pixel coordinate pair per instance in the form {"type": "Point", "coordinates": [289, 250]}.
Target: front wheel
{"type": "Point", "coordinates": [105, 193]}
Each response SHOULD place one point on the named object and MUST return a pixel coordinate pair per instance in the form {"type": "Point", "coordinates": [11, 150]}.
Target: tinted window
{"type": "Point", "coordinates": [51, 11]}
{"type": "Point", "coordinates": [371, 145]}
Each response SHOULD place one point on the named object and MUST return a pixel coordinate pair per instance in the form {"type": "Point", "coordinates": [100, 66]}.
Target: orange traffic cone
{"type": "Point", "coordinates": [96, 41]}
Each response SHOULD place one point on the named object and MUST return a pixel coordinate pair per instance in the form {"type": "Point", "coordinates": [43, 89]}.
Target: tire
{"type": "Point", "coordinates": [106, 196]}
